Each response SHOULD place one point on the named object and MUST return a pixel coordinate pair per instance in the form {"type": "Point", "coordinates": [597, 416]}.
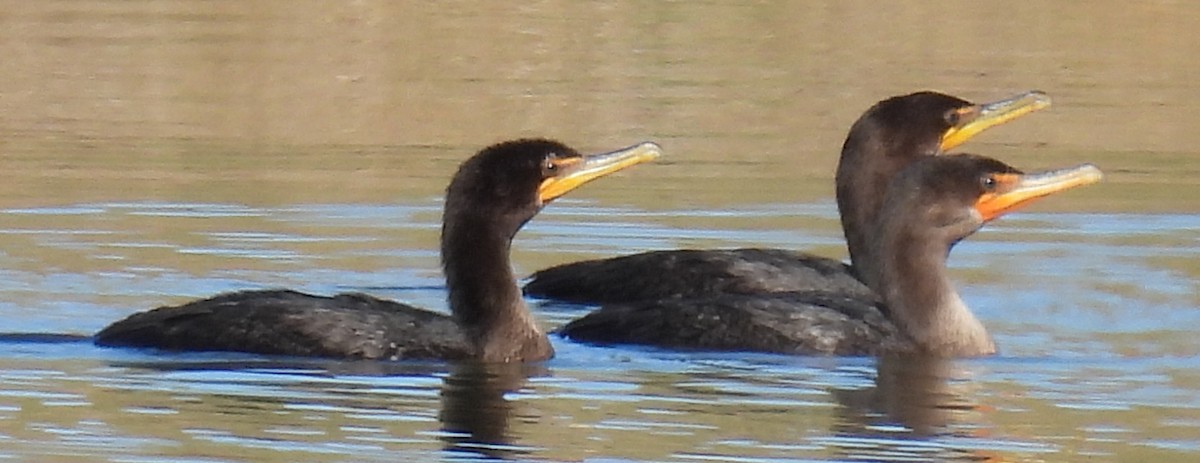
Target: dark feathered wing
{"type": "Point", "coordinates": [693, 273]}
{"type": "Point", "coordinates": [789, 323]}
{"type": "Point", "coordinates": [293, 323]}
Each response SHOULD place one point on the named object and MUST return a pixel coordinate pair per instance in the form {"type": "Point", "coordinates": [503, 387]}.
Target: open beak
{"type": "Point", "coordinates": [1016, 190]}
{"type": "Point", "coordinates": [574, 172]}
{"type": "Point", "coordinates": [975, 119]}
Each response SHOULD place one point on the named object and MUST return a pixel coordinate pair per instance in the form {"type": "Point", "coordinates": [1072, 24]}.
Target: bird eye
{"type": "Point", "coordinates": [952, 117]}
{"type": "Point", "coordinates": [549, 167]}
{"type": "Point", "coordinates": [988, 183]}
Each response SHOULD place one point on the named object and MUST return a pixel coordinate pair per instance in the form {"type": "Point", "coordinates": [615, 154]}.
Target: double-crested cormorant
{"type": "Point", "coordinates": [929, 206]}
{"type": "Point", "coordinates": [889, 136]}
{"type": "Point", "coordinates": [493, 194]}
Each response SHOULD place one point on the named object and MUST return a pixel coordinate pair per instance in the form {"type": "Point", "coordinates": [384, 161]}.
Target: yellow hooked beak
{"type": "Point", "coordinates": [573, 172]}
{"type": "Point", "coordinates": [972, 120]}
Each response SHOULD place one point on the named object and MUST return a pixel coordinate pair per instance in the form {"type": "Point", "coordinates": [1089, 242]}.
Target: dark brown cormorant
{"type": "Point", "coordinates": [929, 206]}
{"type": "Point", "coordinates": [889, 136]}
{"type": "Point", "coordinates": [493, 194]}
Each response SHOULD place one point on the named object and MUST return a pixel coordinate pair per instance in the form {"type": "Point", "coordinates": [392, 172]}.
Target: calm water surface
{"type": "Point", "coordinates": [154, 152]}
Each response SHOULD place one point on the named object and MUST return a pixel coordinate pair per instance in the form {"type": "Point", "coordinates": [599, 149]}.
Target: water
{"type": "Point", "coordinates": [155, 152]}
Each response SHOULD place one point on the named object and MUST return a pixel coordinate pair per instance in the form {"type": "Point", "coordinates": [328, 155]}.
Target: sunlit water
{"type": "Point", "coordinates": [1089, 368]}
{"type": "Point", "coordinates": [154, 152]}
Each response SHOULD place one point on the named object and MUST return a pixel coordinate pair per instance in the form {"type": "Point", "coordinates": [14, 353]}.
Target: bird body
{"type": "Point", "coordinates": [929, 207]}
{"type": "Point", "coordinates": [493, 194]}
{"type": "Point", "coordinates": [698, 272]}
{"type": "Point", "coordinates": [887, 137]}
{"type": "Point", "coordinates": [284, 322]}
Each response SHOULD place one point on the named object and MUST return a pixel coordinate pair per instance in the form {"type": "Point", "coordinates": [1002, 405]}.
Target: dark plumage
{"type": "Point", "coordinates": [490, 197]}
{"type": "Point", "coordinates": [294, 323]}
{"type": "Point", "coordinates": [887, 137]}
{"type": "Point", "coordinates": [930, 206]}
{"type": "Point", "coordinates": [694, 273]}
{"type": "Point", "coordinates": [798, 323]}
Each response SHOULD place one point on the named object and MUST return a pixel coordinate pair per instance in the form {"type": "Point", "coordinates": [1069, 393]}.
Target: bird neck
{"type": "Point", "coordinates": [865, 168]}
{"type": "Point", "coordinates": [858, 199]}
{"type": "Point", "coordinates": [910, 274]}
{"type": "Point", "coordinates": [484, 297]}
{"type": "Point", "coordinates": [871, 156]}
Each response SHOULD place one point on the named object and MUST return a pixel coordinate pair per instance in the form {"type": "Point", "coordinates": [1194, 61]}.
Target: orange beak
{"type": "Point", "coordinates": [1015, 190]}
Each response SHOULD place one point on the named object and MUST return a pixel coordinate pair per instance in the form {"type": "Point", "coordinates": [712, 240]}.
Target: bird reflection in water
{"type": "Point", "coordinates": [921, 407]}
{"type": "Point", "coordinates": [475, 411]}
